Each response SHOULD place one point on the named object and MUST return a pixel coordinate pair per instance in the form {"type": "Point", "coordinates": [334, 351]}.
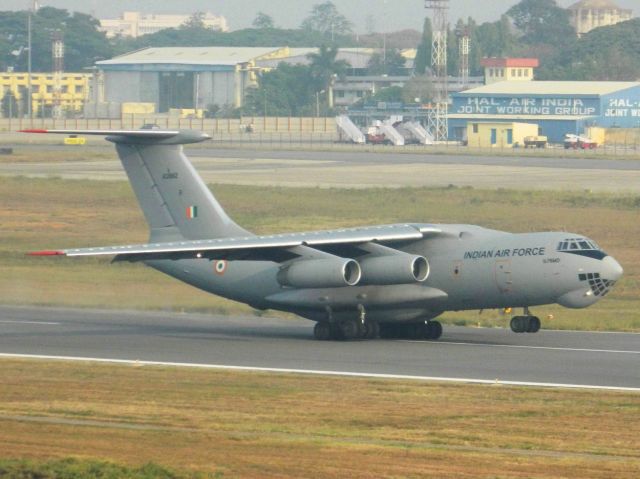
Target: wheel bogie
{"type": "Point", "coordinates": [525, 324]}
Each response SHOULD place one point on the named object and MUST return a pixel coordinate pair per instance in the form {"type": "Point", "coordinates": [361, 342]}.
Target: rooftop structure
{"type": "Point", "coordinates": [509, 69]}
{"type": "Point", "coordinates": [589, 14]}
{"type": "Point", "coordinates": [135, 24]}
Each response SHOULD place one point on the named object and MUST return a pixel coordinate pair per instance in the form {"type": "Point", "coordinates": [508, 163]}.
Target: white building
{"type": "Point", "coordinates": [135, 24]}
{"type": "Point", "coordinates": [589, 14]}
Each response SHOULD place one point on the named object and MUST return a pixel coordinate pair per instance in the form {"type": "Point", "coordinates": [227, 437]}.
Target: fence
{"type": "Point", "coordinates": [209, 125]}
{"type": "Point", "coordinates": [321, 134]}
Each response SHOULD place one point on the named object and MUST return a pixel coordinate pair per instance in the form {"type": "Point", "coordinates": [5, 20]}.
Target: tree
{"type": "Point", "coordinates": [284, 91]}
{"type": "Point", "coordinates": [541, 22]}
{"type": "Point", "coordinates": [9, 105]}
{"type": "Point", "coordinates": [325, 68]}
{"type": "Point", "coordinates": [419, 87]}
{"type": "Point", "coordinates": [423, 55]}
{"type": "Point", "coordinates": [195, 21]}
{"type": "Point", "coordinates": [327, 20]}
{"type": "Point", "coordinates": [390, 62]}
{"type": "Point", "coordinates": [263, 21]}
{"type": "Point", "coordinates": [84, 43]}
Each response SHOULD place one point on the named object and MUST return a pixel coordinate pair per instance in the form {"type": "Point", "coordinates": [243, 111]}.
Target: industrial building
{"type": "Point", "coordinates": [589, 14]}
{"type": "Point", "coordinates": [556, 107]}
{"type": "Point", "coordinates": [135, 24]}
{"type": "Point", "coordinates": [179, 77]}
{"type": "Point", "coordinates": [68, 90]}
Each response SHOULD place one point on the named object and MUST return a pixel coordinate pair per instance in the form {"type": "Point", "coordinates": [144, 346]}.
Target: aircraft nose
{"type": "Point", "coordinates": [611, 269]}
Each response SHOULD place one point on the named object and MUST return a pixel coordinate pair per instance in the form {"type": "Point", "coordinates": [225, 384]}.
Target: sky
{"type": "Point", "coordinates": [385, 15]}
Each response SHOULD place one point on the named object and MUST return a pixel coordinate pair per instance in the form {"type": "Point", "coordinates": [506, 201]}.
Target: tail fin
{"type": "Point", "coordinates": [175, 201]}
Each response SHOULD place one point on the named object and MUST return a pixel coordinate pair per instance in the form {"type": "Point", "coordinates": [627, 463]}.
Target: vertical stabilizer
{"type": "Point", "coordinates": [175, 201]}
{"type": "Point", "coordinates": [173, 197]}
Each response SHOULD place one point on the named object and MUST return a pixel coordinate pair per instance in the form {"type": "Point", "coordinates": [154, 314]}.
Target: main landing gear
{"type": "Point", "coordinates": [351, 329]}
{"type": "Point", "coordinates": [361, 328]}
{"type": "Point", "coordinates": [526, 323]}
{"type": "Point", "coordinates": [346, 330]}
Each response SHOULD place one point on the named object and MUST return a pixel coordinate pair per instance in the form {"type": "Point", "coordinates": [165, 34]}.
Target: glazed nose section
{"type": "Point", "coordinates": [611, 269]}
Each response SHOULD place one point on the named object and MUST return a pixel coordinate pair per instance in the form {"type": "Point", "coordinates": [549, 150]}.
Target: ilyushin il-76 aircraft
{"type": "Point", "coordinates": [356, 283]}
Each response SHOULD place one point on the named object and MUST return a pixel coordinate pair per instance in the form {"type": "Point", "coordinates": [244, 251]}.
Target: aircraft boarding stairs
{"type": "Point", "coordinates": [417, 130]}
{"type": "Point", "coordinates": [348, 130]}
{"type": "Point", "coordinates": [391, 134]}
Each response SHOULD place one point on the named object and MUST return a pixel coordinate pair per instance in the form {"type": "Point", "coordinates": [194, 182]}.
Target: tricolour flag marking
{"type": "Point", "coordinates": [192, 212]}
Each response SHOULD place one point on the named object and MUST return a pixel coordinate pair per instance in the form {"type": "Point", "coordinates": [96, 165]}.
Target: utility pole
{"type": "Point", "coordinates": [32, 9]}
{"type": "Point", "coordinates": [438, 121]}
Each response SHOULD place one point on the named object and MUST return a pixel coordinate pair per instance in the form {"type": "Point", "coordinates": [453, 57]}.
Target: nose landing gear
{"type": "Point", "coordinates": [526, 323]}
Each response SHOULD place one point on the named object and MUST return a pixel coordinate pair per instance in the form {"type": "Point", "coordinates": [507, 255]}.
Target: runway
{"type": "Point", "coordinates": [549, 358]}
{"type": "Point", "coordinates": [354, 169]}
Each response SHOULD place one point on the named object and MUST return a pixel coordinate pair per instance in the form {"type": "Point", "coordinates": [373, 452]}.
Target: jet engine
{"type": "Point", "coordinates": [320, 273]}
{"type": "Point", "coordinates": [398, 268]}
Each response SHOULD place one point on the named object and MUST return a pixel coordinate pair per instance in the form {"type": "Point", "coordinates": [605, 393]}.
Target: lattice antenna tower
{"type": "Point", "coordinates": [438, 119]}
{"type": "Point", "coordinates": [57, 52]}
{"type": "Point", "coordinates": [463, 33]}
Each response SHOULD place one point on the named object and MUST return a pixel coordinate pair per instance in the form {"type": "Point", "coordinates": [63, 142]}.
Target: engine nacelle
{"type": "Point", "coordinates": [320, 273]}
{"type": "Point", "coordinates": [398, 268]}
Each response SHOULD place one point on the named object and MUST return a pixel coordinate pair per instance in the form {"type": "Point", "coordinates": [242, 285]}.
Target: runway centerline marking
{"type": "Point", "coordinates": [521, 346]}
{"type": "Point", "coordinates": [11, 321]}
{"type": "Point", "coordinates": [315, 372]}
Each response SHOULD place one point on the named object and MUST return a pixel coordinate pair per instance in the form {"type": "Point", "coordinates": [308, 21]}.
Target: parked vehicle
{"type": "Point", "coordinates": [535, 141]}
{"type": "Point", "coordinates": [577, 141]}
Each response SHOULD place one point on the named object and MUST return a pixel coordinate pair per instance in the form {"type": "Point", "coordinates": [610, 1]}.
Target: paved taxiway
{"type": "Point", "coordinates": [361, 169]}
{"type": "Point", "coordinates": [549, 357]}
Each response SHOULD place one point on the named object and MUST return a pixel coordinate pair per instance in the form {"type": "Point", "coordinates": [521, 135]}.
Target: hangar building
{"type": "Point", "coordinates": [178, 77]}
{"type": "Point", "coordinates": [557, 107]}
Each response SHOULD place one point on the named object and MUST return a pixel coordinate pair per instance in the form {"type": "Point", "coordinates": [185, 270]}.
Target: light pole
{"type": "Point", "coordinates": [32, 9]}
{"type": "Point", "coordinates": [318, 103]}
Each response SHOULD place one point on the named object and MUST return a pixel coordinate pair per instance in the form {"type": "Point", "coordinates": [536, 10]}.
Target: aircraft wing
{"type": "Point", "coordinates": [277, 248]}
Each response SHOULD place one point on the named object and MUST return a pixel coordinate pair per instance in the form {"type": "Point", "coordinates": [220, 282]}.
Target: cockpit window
{"type": "Point", "coordinates": [577, 244]}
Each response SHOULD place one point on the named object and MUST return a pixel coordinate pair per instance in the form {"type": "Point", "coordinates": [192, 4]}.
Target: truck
{"type": "Point", "coordinates": [535, 141]}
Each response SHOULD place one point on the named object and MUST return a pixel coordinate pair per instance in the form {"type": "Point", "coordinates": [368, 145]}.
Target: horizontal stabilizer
{"type": "Point", "coordinates": [142, 136]}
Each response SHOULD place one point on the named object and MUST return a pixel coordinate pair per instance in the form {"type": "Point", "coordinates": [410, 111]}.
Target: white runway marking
{"type": "Point", "coordinates": [10, 321]}
{"type": "Point", "coordinates": [497, 381]}
{"type": "Point", "coordinates": [520, 346]}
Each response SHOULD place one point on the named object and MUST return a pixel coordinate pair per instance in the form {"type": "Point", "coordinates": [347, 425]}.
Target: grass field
{"type": "Point", "coordinates": [236, 424]}
{"type": "Point", "coordinates": [54, 213]}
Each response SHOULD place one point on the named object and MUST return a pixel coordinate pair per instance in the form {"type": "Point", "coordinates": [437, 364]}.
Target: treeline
{"type": "Point", "coordinates": [538, 28]}
{"type": "Point", "coordinates": [541, 29]}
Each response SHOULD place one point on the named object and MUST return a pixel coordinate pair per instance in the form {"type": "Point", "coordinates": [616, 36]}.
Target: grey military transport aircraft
{"type": "Point", "coordinates": [356, 283]}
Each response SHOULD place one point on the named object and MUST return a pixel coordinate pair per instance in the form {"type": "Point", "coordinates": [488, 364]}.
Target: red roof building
{"type": "Point", "coordinates": [509, 69]}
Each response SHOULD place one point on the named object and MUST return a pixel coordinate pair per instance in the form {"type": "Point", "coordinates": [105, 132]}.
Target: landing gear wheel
{"type": "Point", "coordinates": [519, 324]}
{"type": "Point", "coordinates": [434, 330]}
{"type": "Point", "coordinates": [534, 324]}
{"type": "Point", "coordinates": [416, 330]}
{"type": "Point", "coordinates": [349, 329]}
{"type": "Point", "coordinates": [322, 331]}
{"type": "Point", "coordinates": [372, 329]}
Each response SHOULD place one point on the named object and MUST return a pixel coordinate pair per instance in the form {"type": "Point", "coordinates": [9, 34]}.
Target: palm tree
{"type": "Point", "coordinates": [325, 69]}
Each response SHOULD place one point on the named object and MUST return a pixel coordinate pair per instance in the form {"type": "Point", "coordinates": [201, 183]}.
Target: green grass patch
{"type": "Point", "coordinates": [87, 469]}
{"type": "Point", "coordinates": [55, 213]}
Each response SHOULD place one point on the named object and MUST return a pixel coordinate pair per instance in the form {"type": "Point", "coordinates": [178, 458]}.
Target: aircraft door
{"type": "Point", "coordinates": [504, 276]}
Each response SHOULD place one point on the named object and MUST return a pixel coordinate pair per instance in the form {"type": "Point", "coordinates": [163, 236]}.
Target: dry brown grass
{"type": "Point", "coordinates": [266, 425]}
